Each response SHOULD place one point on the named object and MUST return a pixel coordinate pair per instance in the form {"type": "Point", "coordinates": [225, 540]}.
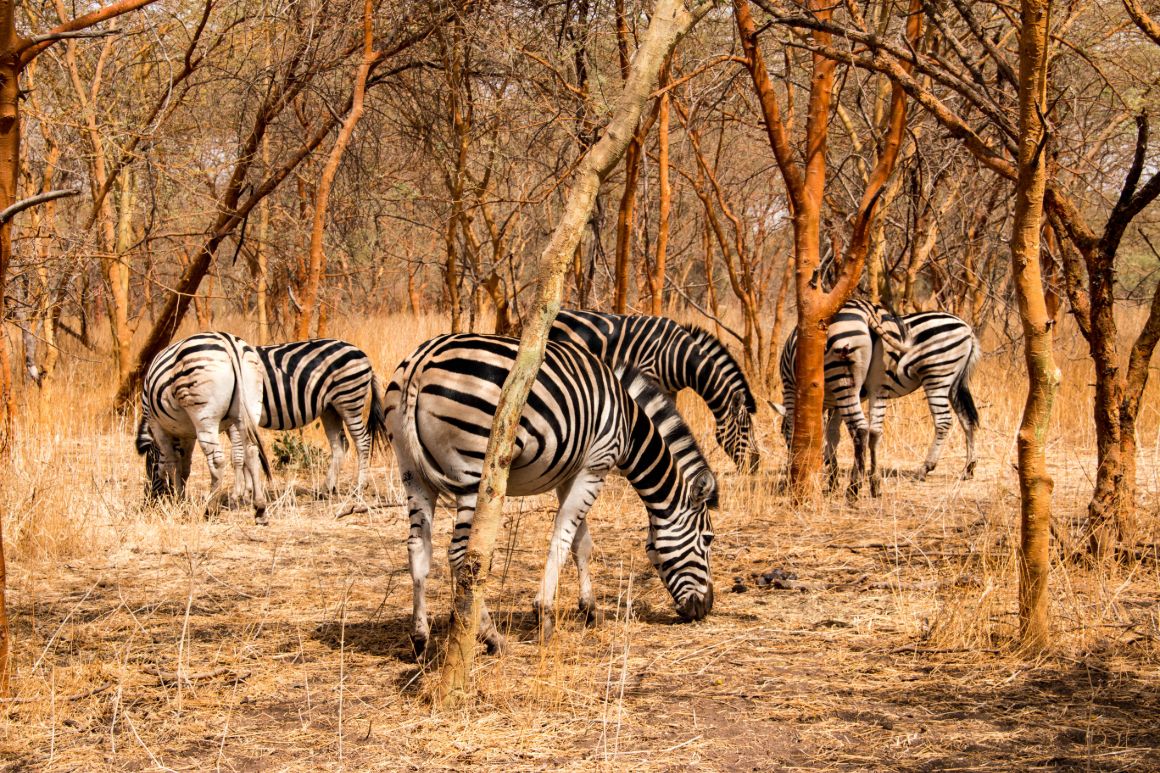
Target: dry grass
{"type": "Point", "coordinates": [896, 651]}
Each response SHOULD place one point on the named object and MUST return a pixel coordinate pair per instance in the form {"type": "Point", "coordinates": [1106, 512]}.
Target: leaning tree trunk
{"type": "Point", "coordinates": [1043, 376]}
{"type": "Point", "coordinates": [669, 22]}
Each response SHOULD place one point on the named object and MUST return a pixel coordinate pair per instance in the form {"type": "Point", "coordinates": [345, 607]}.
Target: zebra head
{"type": "Point", "coordinates": [735, 434]}
{"type": "Point", "coordinates": [679, 542]}
{"type": "Point", "coordinates": [157, 484]}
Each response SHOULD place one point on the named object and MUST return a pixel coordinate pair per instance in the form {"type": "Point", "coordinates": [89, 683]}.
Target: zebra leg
{"type": "Point", "coordinates": [830, 450]}
{"type": "Point", "coordinates": [210, 442]}
{"type": "Point", "coordinates": [968, 425]}
{"type": "Point", "coordinates": [938, 399]}
{"type": "Point", "coordinates": [877, 417]}
{"type": "Point", "coordinates": [857, 426]}
{"type": "Point", "coordinates": [361, 436]}
{"type": "Point", "coordinates": [254, 473]}
{"type": "Point", "coordinates": [581, 553]}
{"type": "Point", "coordinates": [465, 513]}
{"type": "Point", "coordinates": [238, 457]}
{"type": "Point", "coordinates": [576, 498]}
{"type": "Point", "coordinates": [169, 450]}
{"type": "Point", "coordinates": [421, 506]}
{"type": "Point", "coordinates": [336, 436]}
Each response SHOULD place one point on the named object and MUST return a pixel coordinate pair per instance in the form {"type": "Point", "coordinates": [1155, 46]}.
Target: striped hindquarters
{"type": "Point", "coordinates": [937, 350]}
{"type": "Point", "coordinates": [304, 378]}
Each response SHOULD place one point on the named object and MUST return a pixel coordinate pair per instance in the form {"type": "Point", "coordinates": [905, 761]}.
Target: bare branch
{"type": "Point", "coordinates": [40, 198]}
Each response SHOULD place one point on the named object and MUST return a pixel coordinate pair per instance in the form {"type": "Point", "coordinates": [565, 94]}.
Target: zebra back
{"type": "Point", "coordinates": [304, 378]}
{"type": "Point", "coordinates": [677, 357]}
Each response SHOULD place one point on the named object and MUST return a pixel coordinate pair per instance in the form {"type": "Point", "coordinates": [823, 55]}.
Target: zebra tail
{"type": "Point", "coordinates": [248, 425]}
{"type": "Point", "coordinates": [144, 437]}
{"type": "Point", "coordinates": [377, 421]}
{"type": "Point", "coordinates": [889, 338]}
{"type": "Point", "coordinates": [961, 393]}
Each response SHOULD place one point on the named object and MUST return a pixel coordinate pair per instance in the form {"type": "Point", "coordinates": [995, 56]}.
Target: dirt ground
{"type": "Point", "coordinates": [872, 636]}
{"type": "Point", "coordinates": [884, 643]}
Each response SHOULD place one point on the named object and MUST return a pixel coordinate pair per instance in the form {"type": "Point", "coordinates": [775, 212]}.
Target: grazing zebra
{"type": "Point", "coordinates": [193, 390]}
{"type": "Point", "coordinates": [851, 348]}
{"type": "Point", "coordinates": [582, 420]}
{"type": "Point", "coordinates": [324, 378]}
{"type": "Point", "coordinates": [675, 356]}
{"type": "Point", "coordinates": [938, 352]}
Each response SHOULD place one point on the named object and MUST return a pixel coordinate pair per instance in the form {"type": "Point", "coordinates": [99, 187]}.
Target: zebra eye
{"type": "Point", "coordinates": [708, 538]}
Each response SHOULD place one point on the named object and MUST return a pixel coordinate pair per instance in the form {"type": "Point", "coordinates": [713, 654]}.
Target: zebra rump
{"type": "Point", "coordinates": [327, 379]}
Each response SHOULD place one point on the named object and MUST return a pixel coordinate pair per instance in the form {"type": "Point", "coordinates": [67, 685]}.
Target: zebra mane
{"type": "Point", "coordinates": [662, 411]}
{"type": "Point", "coordinates": [712, 345]}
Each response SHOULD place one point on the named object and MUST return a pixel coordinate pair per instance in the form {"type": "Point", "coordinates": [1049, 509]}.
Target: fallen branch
{"type": "Point", "coordinates": [67, 699]}
{"type": "Point", "coordinates": [164, 676]}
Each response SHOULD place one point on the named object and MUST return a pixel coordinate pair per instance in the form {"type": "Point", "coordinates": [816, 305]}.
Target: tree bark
{"type": "Point", "coordinates": [657, 277]}
{"type": "Point", "coordinates": [1035, 484]}
{"type": "Point", "coordinates": [670, 20]}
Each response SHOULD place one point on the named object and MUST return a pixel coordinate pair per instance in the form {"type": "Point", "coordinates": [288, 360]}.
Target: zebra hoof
{"type": "Point", "coordinates": [418, 646]}
{"type": "Point", "coordinates": [969, 472]}
{"type": "Point", "coordinates": [588, 613]}
{"type": "Point", "coordinates": [260, 518]}
{"type": "Point", "coordinates": [875, 487]}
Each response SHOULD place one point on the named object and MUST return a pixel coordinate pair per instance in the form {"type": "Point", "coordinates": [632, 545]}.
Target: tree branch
{"type": "Point", "coordinates": [40, 198]}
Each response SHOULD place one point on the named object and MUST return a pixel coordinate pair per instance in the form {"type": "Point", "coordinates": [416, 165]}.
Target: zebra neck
{"type": "Point", "coordinates": [651, 466]}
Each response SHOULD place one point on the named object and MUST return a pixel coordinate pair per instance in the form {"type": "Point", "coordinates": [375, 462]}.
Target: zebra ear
{"type": "Point", "coordinates": [703, 488]}
{"type": "Point", "coordinates": [778, 408]}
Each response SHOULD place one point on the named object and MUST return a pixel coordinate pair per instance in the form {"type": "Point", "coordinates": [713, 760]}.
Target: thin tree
{"type": "Point", "coordinates": [1035, 483]}
{"type": "Point", "coordinates": [670, 20]}
{"type": "Point", "coordinates": [317, 262]}
{"type": "Point", "coordinates": [806, 188]}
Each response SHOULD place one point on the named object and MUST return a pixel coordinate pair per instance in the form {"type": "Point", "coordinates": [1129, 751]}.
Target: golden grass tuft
{"type": "Point", "coordinates": [895, 649]}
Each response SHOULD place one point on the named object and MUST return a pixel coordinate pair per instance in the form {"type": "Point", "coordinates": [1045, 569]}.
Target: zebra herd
{"type": "Point", "coordinates": [602, 401]}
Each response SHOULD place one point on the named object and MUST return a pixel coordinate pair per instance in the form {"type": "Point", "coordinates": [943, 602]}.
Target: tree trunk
{"type": "Point", "coordinates": [806, 188]}
{"type": "Point", "coordinates": [310, 297]}
{"type": "Point", "coordinates": [772, 365]}
{"type": "Point", "coordinates": [1035, 484]}
{"type": "Point", "coordinates": [669, 21]}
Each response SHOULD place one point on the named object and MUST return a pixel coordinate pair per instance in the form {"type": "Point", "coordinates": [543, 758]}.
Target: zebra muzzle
{"type": "Point", "coordinates": [696, 607]}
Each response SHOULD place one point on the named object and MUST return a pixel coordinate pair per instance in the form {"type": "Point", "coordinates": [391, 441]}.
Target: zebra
{"type": "Point", "coordinates": [872, 353]}
{"type": "Point", "coordinates": [676, 356]}
{"type": "Point", "coordinates": [851, 348]}
{"type": "Point", "coordinates": [582, 420]}
{"type": "Point", "coordinates": [934, 350]}
{"type": "Point", "coordinates": [194, 389]}
{"type": "Point", "coordinates": [328, 379]}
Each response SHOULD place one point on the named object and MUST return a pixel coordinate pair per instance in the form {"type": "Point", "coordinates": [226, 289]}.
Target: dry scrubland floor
{"type": "Point", "coordinates": [891, 650]}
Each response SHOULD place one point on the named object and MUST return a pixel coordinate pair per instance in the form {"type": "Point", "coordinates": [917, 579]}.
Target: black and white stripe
{"type": "Point", "coordinates": [938, 352]}
{"type": "Point", "coordinates": [676, 357]}
{"type": "Point", "coordinates": [582, 420]}
{"type": "Point", "coordinates": [328, 379]}
{"type": "Point", "coordinates": [851, 346]}
{"type": "Point", "coordinates": [193, 390]}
